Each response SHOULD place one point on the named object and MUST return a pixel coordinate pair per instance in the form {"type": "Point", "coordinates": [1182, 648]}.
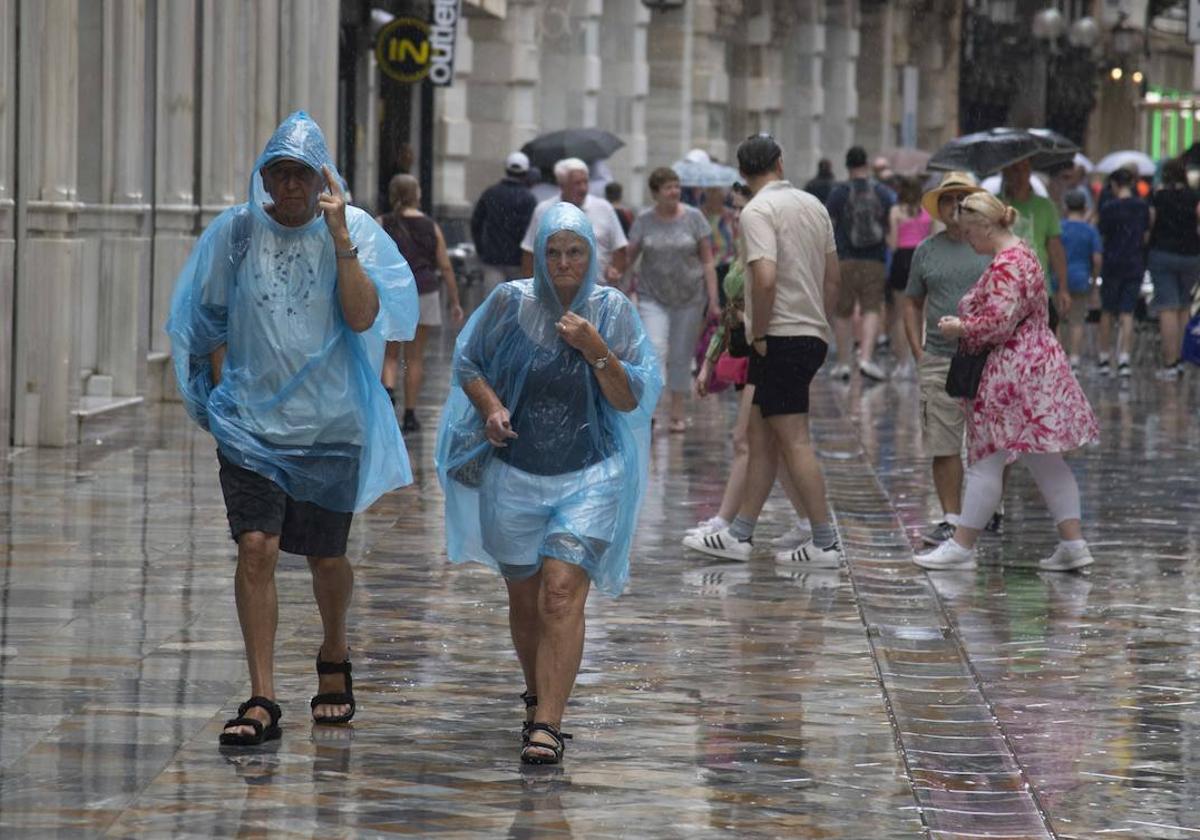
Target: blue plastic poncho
{"type": "Point", "coordinates": [571, 484]}
{"type": "Point", "coordinates": [300, 400]}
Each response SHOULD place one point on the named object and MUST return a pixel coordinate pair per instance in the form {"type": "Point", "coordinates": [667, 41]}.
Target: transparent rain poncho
{"type": "Point", "coordinates": [571, 484]}
{"type": "Point", "coordinates": [300, 400]}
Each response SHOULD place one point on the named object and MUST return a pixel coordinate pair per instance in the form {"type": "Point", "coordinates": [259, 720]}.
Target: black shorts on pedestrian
{"type": "Point", "coordinates": [781, 378]}
{"type": "Point", "coordinates": [254, 502]}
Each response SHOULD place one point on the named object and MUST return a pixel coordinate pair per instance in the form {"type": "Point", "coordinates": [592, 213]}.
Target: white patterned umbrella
{"type": "Point", "coordinates": [696, 173]}
{"type": "Point", "coordinates": [1119, 160]}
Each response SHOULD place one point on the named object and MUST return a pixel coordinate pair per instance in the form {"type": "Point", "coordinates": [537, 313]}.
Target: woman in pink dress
{"type": "Point", "coordinates": [1029, 407]}
{"type": "Point", "coordinates": [908, 226]}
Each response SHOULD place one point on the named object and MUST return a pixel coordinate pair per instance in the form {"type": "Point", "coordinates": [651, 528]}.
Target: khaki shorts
{"type": "Point", "coordinates": [942, 418]}
{"type": "Point", "coordinates": [1079, 307]}
{"type": "Point", "coordinates": [863, 282]}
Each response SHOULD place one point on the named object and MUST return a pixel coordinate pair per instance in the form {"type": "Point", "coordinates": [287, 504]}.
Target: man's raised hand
{"type": "Point", "coordinates": [333, 206]}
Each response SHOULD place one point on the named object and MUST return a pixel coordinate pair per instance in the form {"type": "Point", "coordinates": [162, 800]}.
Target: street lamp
{"type": "Point", "coordinates": [1084, 33]}
{"type": "Point", "coordinates": [1048, 25]}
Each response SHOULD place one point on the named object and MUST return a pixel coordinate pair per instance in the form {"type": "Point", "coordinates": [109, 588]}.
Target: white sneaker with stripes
{"type": "Point", "coordinates": [809, 556]}
{"type": "Point", "coordinates": [720, 544]}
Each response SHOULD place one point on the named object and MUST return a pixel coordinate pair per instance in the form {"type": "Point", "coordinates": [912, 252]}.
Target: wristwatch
{"type": "Point", "coordinates": [351, 254]}
{"type": "Point", "coordinates": [602, 363]}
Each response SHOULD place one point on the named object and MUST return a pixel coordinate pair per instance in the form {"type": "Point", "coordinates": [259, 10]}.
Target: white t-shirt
{"type": "Point", "coordinates": [792, 229]}
{"type": "Point", "coordinates": [609, 234]}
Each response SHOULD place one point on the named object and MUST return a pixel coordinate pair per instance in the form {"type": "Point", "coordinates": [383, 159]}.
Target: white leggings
{"type": "Point", "coordinates": [985, 485]}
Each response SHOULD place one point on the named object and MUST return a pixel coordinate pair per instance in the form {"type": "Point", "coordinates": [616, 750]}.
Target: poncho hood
{"type": "Point", "coordinates": [297, 138]}
{"type": "Point", "coordinates": [563, 216]}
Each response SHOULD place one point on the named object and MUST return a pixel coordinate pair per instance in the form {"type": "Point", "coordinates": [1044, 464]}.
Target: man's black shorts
{"type": "Point", "coordinates": [255, 503]}
{"type": "Point", "coordinates": [781, 378]}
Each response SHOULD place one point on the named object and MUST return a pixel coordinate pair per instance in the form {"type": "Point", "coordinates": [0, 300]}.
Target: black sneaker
{"type": "Point", "coordinates": [1124, 370]}
{"type": "Point", "coordinates": [996, 523]}
{"type": "Point", "coordinates": [1103, 368]}
{"type": "Point", "coordinates": [410, 423]}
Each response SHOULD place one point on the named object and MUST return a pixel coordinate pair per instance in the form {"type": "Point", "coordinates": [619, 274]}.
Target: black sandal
{"type": "Point", "coordinates": [530, 703]}
{"type": "Point", "coordinates": [261, 733]}
{"type": "Point", "coordinates": [334, 698]}
{"type": "Point", "coordinates": [528, 756]}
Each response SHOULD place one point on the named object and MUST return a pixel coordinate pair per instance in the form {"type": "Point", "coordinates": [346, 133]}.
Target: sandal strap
{"type": "Point", "coordinates": [551, 730]}
{"type": "Point", "coordinates": [271, 707]}
{"type": "Point", "coordinates": [333, 667]}
{"type": "Point", "coordinates": [332, 698]}
{"type": "Point", "coordinates": [257, 725]}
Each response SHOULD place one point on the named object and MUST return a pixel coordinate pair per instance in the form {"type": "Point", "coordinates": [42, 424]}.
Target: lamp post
{"type": "Point", "coordinates": [1048, 26]}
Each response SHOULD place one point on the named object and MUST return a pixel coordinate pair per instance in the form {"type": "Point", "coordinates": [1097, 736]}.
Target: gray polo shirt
{"type": "Point", "coordinates": [942, 272]}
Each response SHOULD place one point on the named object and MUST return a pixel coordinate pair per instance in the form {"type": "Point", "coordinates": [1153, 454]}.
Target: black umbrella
{"type": "Point", "coordinates": [987, 152]}
{"type": "Point", "coordinates": [589, 144]}
{"type": "Point", "coordinates": [1061, 152]}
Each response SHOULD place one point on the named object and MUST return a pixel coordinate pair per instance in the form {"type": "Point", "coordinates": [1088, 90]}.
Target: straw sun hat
{"type": "Point", "coordinates": [962, 183]}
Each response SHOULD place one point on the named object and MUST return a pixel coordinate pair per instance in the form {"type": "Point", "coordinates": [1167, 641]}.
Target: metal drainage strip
{"type": "Point", "coordinates": [964, 773]}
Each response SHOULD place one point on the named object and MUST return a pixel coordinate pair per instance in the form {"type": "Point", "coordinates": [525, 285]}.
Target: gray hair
{"type": "Point", "coordinates": [568, 165]}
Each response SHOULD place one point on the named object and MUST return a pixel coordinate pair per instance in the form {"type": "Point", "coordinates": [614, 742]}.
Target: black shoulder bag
{"type": "Point", "coordinates": [966, 369]}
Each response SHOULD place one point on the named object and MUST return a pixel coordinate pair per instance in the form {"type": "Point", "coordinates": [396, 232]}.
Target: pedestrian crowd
{"type": "Point", "coordinates": [296, 312]}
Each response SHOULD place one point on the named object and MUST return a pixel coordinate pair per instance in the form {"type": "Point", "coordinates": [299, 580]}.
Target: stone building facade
{"type": "Point", "coordinates": [820, 75]}
{"type": "Point", "coordinates": [127, 125]}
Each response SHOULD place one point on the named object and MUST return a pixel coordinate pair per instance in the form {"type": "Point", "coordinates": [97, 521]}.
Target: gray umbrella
{"type": "Point", "coordinates": [588, 144]}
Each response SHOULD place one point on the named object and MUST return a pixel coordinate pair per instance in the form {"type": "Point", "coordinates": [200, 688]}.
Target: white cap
{"type": "Point", "coordinates": [517, 163]}
{"type": "Point", "coordinates": [697, 156]}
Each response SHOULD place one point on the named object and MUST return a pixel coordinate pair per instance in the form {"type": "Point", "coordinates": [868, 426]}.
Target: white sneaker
{"type": "Point", "coordinates": [1167, 374]}
{"type": "Point", "coordinates": [948, 555]}
{"type": "Point", "coordinates": [841, 372]}
{"type": "Point", "coordinates": [707, 526]}
{"type": "Point", "coordinates": [720, 544]}
{"type": "Point", "coordinates": [795, 535]}
{"type": "Point", "coordinates": [871, 371]}
{"type": "Point", "coordinates": [1066, 559]}
{"type": "Point", "coordinates": [809, 556]}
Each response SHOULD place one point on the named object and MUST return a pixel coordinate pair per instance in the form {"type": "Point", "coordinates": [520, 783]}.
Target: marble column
{"type": "Point", "coordinates": [757, 85]}
{"type": "Point", "coordinates": [569, 39]}
{"type": "Point", "coordinates": [47, 276]}
{"type": "Point", "coordinates": [839, 123]}
{"type": "Point", "coordinates": [222, 175]}
{"type": "Point", "coordinates": [710, 81]}
{"type": "Point", "coordinates": [122, 318]}
{"type": "Point", "coordinates": [308, 63]}
{"type": "Point", "coordinates": [175, 210]}
{"type": "Point", "coordinates": [668, 102]}
{"type": "Point", "coordinates": [804, 99]}
{"type": "Point", "coordinates": [625, 85]}
{"type": "Point", "coordinates": [8, 123]}
{"type": "Point", "coordinates": [875, 80]}
{"type": "Point", "coordinates": [502, 96]}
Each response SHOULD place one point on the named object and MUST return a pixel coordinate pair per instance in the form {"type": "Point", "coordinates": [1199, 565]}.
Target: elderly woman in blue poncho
{"type": "Point", "coordinates": [277, 326]}
{"type": "Point", "coordinates": [542, 454]}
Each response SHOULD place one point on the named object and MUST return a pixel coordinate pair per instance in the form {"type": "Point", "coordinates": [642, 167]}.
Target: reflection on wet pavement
{"type": "Point", "coordinates": [715, 700]}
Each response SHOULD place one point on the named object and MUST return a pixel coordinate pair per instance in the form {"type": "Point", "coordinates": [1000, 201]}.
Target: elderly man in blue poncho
{"type": "Point", "coordinates": [278, 325]}
{"type": "Point", "coordinates": [542, 454]}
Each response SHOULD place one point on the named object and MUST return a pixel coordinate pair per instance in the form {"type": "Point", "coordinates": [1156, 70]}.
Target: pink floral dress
{"type": "Point", "coordinates": [1028, 399]}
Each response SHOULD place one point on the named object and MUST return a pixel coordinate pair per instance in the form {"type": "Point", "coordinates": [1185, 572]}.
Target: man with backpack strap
{"type": "Point", "coordinates": [859, 210]}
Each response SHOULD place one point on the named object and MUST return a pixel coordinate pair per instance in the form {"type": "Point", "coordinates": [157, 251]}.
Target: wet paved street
{"type": "Point", "coordinates": [715, 700]}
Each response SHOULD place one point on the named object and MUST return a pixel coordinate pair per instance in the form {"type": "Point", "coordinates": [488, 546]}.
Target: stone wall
{"type": "Point", "coordinates": [139, 121]}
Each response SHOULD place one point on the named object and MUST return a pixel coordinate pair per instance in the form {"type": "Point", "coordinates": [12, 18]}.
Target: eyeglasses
{"type": "Point", "coordinates": [573, 254]}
